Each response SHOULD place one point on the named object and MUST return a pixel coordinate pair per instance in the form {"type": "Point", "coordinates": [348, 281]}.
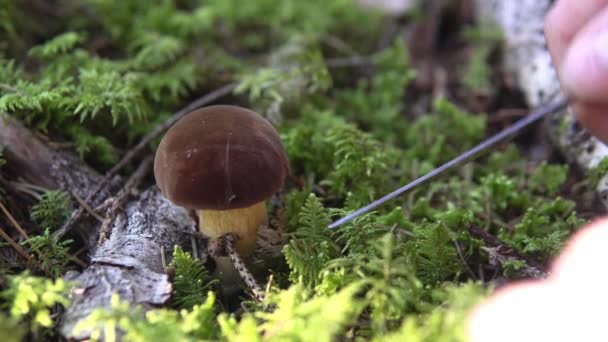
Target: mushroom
{"type": "Point", "coordinates": [224, 162]}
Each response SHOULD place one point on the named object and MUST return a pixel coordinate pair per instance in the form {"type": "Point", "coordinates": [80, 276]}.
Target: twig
{"type": "Point", "coordinates": [86, 207]}
{"type": "Point", "coordinates": [103, 206]}
{"type": "Point", "coordinates": [18, 188]}
{"type": "Point", "coordinates": [339, 45]}
{"type": "Point", "coordinates": [14, 222]}
{"type": "Point", "coordinates": [349, 62]}
{"type": "Point", "coordinates": [241, 268]}
{"type": "Point", "coordinates": [163, 258]}
{"type": "Point", "coordinates": [202, 101]}
{"type": "Point", "coordinates": [33, 187]}
{"type": "Point", "coordinates": [119, 200]}
{"type": "Point", "coordinates": [194, 244]}
{"type": "Point", "coordinates": [77, 260]}
{"type": "Point", "coordinates": [21, 251]}
{"type": "Point", "coordinates": [195, 234]}
{"type": "Point", "coordinates": [269, 284]}
{"type": "Point", "coordinates": [8, 87]}
{"type": "Point", "coordinates": [15, 245]}
{"type": "Point", "coordinates": [67, 226]}
{"type": "Point", "coordinates": [462, 259]}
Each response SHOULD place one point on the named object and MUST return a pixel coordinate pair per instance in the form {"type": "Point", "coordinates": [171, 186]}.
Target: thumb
{"type": "Point", "coordinates": [584, 71]}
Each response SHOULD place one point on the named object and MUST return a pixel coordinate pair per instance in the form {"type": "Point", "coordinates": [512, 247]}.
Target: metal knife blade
{"type": "Point", "coordinates": [469, 155]}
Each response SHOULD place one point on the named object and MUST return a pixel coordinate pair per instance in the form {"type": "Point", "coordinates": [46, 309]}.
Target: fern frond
{"type": "Point", "coordinates": [436, 258]}
{"type": "Point", "coordinates": [312, 245]}
{"type": "Point", "coordinates": [171, 81]}
{"type": "Point", "coordinates": [359, 236]}
{"type": "Point", "coordinates": [52, 210]}
{"type": "Point", "coordinates": [192, 23]}
{"type": "Point", "coordinates": [361, 164]}
{"type": "Point", "coordinates": [392, 288]}
{"type": "Point", "coordinates": [57, 45]}
{"type": "Point", "coordinates": [35, 97]}
{"type": "Point", "coordinates": [52, 254]}
{"type": "Point", "coordinates": [10, 73]}
{"type": "Point", "coordinates": [192, 282]}
{"type": "Point", "coordinates": [155, 51]}
{"type": "Point", "coordinates": [111, 91]}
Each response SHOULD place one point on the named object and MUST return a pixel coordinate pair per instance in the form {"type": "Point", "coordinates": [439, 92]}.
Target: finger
{"type": "Point", "coordinates": [520, 312]}
{"type": "Point", "coordinates": [582, 260]}
{"type": "Point", "coordinates": [584, 70]}
{"type": "Point", "coordinates": [594, 117]}
{"type": "Point", "coordinates": [564, 21]}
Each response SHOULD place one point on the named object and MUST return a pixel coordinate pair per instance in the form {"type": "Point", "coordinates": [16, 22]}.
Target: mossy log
{"type": "Point", "coordinates": [129, 262]}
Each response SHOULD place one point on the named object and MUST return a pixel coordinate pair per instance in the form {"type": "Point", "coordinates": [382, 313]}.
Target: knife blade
{"type": "Point", "coordinates": [463, 158]}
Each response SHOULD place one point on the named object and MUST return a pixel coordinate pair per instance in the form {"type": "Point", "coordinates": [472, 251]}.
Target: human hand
{"type": "Point", "coordinates": [577, 36]}
{"type": "Point", "coordinates": [568, 306]}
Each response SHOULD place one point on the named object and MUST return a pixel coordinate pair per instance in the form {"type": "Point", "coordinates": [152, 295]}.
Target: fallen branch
{"type": "Point", "coordinates": [120, 199]}
{"type": "Point", "coordinates": [128, 263]}
{"type": "Point", "coordinates": [87, 207]}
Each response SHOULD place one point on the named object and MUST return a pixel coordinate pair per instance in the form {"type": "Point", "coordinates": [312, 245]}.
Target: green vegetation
{"type": "Point", "coordinates": [100, 74]}
{"type": "Point", "coordinates": [191, 282]}
{"type": "Point", "coordinates": [30, 299]}
{"type": "Point", "coordinates": [52, 210]}
{"type": "Point", "coordinates": [484, 40]}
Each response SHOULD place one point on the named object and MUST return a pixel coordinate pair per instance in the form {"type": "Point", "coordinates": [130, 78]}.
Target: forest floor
{"type": "Point", "coordinates": [364, 102]}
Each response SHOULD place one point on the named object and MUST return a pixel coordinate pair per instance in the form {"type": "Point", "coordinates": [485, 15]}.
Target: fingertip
{"type": "Point", "coordinates": [584, 71]}
{"type": "Point", "coordinates": [563, 22]}
{"type": "Point", "coordinates": [525, 305]}
{"type": "Point", "coordinates": [594, 117]}
{"type": "Point", "coordinates": [558, 36]}
{"type": "Point", "coordinates": [579, 259]}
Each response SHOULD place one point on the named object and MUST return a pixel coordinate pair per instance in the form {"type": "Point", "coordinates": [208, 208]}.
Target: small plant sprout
{"type": "Point", "coordinates": [225, 162]}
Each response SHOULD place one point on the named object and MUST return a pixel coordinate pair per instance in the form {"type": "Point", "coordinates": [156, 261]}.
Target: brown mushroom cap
{"type": "Point", "coordinates": [220, 157]}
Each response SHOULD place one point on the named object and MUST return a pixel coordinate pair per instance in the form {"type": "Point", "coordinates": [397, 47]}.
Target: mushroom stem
{"type": "Point", "coordinates": [243, 222]}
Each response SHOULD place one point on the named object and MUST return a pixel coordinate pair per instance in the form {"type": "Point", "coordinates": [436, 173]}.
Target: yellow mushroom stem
{"type": "Point", "coordinates": [243, 222]}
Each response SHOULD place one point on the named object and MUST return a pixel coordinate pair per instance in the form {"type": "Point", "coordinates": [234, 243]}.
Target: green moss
{"type": "Point", "coordinates": [544, 228]}
{"type": "Point", "coordinates": [376, 104]}
{"type": "Point", "coordinates": [477, 73]}
{"type": "Point", "coordinates": [444, 323]}
{"type": "Point", "coordinates": [548, 179]}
